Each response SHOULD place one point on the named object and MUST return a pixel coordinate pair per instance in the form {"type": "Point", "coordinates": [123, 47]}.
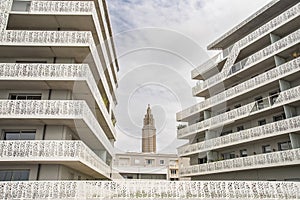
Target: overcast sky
{"type": "Point", "coordinates": [158, 44]}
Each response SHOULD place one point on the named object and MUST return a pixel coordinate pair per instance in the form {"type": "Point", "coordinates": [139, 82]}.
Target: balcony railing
{"type": "Point", "coordinates": [62, 6]}
{"type": "Point", "coordinates": [254, 36]}
{"type": "Point", "coordinates": [211, 63]}
{"type": "Point", "coordinates": [69, 38]}
{"type": "Point", "coordinates": [17, 71]}
{"type": "Point", "coordinates": [270, 102]}
{"type": "Point", "coordinates": [45, 150]}
{"type": "Point", "coordinates": [251, 84]}
{"type": "Point", "coordinates": [252, 134]}
{"type": "Point", "coordinates": [216, 120]}
{"type": "Point", "coordinates": [257, 57]}
{"type": "Point", "coordinates": [149, 189]}
{"type": "Point", "coordinates": [5, 6]}
{"type": "Point", "coordinates": [54, 109]}
{"type": "Point", "coordinates": [274, 159]}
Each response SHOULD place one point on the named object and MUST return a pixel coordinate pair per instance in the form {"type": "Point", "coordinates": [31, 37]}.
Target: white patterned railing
{"type": "Point", "coordinates": [54, 109]}
{"type": "Point", "coordinates": [149, 189]}
{"type": "Point", "coordinates": [252, 134]}
{"type": "Point", "coordinates": [45, 150]}
{"type": "Point", "coordinates": [274, 159]}
{"type": "Point", "coordinates": [216, 120]}
{"type": "Point", "coordinates": [255, 58]}
{"type": "Point", "coordinates": [5, 6]}
{"type": "Point", "coordinates": [62, 6]}
{"type": "Point", "coordinates": [68, 38]}
{"type": "Point", "coordinates": [284, 97]}
{"type": "Point", "coordinates": [17, 71]}
{"type": "Point", "coordinates": [251, 84]}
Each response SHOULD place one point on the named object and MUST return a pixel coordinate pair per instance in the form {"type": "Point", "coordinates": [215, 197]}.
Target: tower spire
{"type": "Point", "coordinates": [149, 132]}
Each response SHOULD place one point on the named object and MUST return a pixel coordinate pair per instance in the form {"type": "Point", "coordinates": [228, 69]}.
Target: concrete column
{"type": "Point", "coordinates": [289, 111]}
{"type": "Point", "coordinates": [284, 85]}
{"type": "Point", "coordinates": [212, 156]}
{"type": "Point", "coordinates": [295, 140]}
{"type": "Point", "coordinates": [279, 60]}
{"type": "Point", "coordinates": [294, 137]}
{"type": "Point", "coordinates": [207, 114]}
{"type": "Point", "coordinates": [274, 38]}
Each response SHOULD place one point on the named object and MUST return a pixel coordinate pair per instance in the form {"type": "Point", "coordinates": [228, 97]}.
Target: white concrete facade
{"type": "Point", "coordinates": [58, 78]}
{"type": "Point", "coordinates": [132, 165]}
{"type": "Point", "coordinates": [247, 127]}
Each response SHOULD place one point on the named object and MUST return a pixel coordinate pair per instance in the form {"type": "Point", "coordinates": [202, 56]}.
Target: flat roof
{"type": "Point", "coordinates": [250, 24]}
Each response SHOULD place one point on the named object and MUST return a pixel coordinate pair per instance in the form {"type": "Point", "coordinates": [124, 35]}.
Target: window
{"type": "Point", "coordinates": [229, 155]}
{"type": "Point", "coordinates": [20, 135]}
{"type": "Point", "coordinates": [202, 160]}
{"type": "Point", "coordinates": [14, 175]}
{"type": "Point", "coordinates": [124, 161]}
{"type": "Point", "coordinates": [25, 96]}
{"type": "Point", "coordinates": [266, 149]}
{"type": "Point", "coordinates": [161, 162]}
{"type": "Point", "coordinates": [149, 161]}
{"type": "Point", "coordinates": [238, 106]}
{"type": "Point", "coordinates": [240, 128]}
{"type": "Point", "coordinates": [262, 122]}
{"type": "Point", "coordinates": [243, 153]}
{"type": "Point", "coordinates": [278, 117]}
{"type": "Point", "coordinates": [226, 133]}
{"type": "Point", "coordinates": [173, 171]}
{"type": "Point", "coordinates": [284, 146]}
{"type": "Point", "coordinates": [273, 97]}
{"type": "Point", "coordinates": [259, 102]}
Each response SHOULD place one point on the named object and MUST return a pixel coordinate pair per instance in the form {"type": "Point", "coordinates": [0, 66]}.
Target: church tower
{"type": "Point", "coordinates": [149, 133]}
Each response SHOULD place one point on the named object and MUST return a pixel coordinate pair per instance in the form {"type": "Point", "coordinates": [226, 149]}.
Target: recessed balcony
{"type": "Point", "coordinates": [75, 77]}
{"type": "Point", "coordinates": [64, 15]}
{"type": "Point", "coordinates": [74, 114]}
{"type": "Point", "coordinates": [61, 44]}
{"type": "Point", "coordinates": [250, 135]}
{"type": "Point", "coordinates": [268, 160]}
{"type": "Point", "coordinates": [250, 110]}
{"type": "Point", "coordinates": [264, 30]}
{"type": "Point", "coordinates": [283, 47]}
{"type": "Point", "coordinates": [73, 154]}
{"type": "Point", "coordinates": [287, 70]}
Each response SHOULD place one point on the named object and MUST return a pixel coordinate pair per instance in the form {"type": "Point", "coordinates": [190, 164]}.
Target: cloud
{"type": "Point", "coordinates": [155, 63]}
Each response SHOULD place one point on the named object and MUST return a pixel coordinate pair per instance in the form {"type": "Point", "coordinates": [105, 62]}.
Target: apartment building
{"type": "Point", "coordinates": [248, 125]}
{"type": "Point", "coordinates": [58, 74]}
{"type": "Point", "coordinates": [134, 165]}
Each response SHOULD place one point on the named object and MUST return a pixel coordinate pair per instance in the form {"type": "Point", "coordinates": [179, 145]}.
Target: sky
{"type": "Point", "coordinates": [159, 43]}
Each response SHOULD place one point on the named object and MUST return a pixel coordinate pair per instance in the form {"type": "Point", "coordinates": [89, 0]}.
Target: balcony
{"type": "Point", "coordinates": [149, 189]}
{"type": "Point", "coordinates": [210, 64]}
{"type": "Point", "coordinates": [268, 77]}
{"type": "Point", "coordinates": [253, 60]}
{"type": "Point", "coordinates": [66, 15]}
{"type": "Point", "coordinates": [49, 44]}
{"type": "Point", "coordinates": [74, 114]}
{"type": "Point", "coordinates": [268, 28]}
{"type": "Point", "coordinates": [253, 134]}
{"type": "Point", "coordinates": [75, 77]}
{"type": "Point", "coordinates": [251, 109]}
{"type": "Point", "coordinates": [74, 154]}
{"type": "Point", "coordinates": [274, 159]}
